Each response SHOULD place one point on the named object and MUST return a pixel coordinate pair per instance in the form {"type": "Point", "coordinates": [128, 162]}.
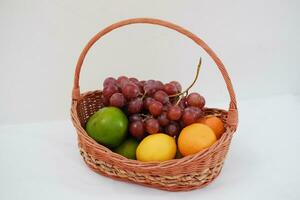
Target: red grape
{"type": "Point", "coordinates": [182, 103]}
{"type": "Point", "coordinates": [161, 96]}
{"type": "Point", "coordinates": [110, 90]}
{"type": "Point", "coordinates": [163, 119]}
{"type": "Point", "coordinates": [169, 117]}
{"type": "Point", "coordinates": [177, 85]}
{"type": "Point", "coordinates": [152, 126]}
{"type": "Point", "coordinates": [195, 99]}
{"type": "Point", "coordinates": [105, 100]}
{"type": "Point", "coordinates": [142, 83]}
{"type": "Point", "coordinates": [135, 117]}
{"type": "Point", "coordinates": [181, 124]}
{"type": "Point", "coordinates": [199, 113]}
{"type": "Point", "coordinates": [159, 85]}
{"type": "Point", "coordinates": [202, 102]}
{"type": "Point", "coordinates": [155, 108]}
{"type": "Point", "coordinates": [117, 100]}
{"type": "Point", "coordinates": [173, 129]}
{"type": "Point", "coordinates": [141, 86]}
{"type": "Point", "coordinates": [147, 102]}
{"type": "Point", "coordinates": [135, 105]}
{"type": "Point", "coordinates": [170, 89]}
{"type": "Point", "coordinates": [174, 113]}
{"type": "Point", "coordinates": [166, 108]}
{"type": "Point", "coordinates": [122, 81]}
{"type": "Point", "coordinates": [189, 116]}
{"type": "Point", "coordinates": [134, 80]}
{"type": "Point", "coordinates": [150, 87]}
{"type": "Point", "coordinates": [136, 129]}
{"type": "Point", "coordinates": [109, 81]}
{"type": "Point", "coordinates": [130, 90]}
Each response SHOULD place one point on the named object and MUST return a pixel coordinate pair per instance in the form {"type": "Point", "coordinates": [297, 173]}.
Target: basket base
{"type": "Point", "coordinates": [212, 174]}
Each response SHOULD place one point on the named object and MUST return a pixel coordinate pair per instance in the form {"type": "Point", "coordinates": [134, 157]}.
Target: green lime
{"type": "Point", "coordinates": [128, 148]}
{"type": "Point", "coordinates": [108, 126]}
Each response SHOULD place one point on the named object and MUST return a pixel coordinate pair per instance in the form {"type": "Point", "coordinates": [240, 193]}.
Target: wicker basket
{"type": "Point", "coordinates": [183, 174]}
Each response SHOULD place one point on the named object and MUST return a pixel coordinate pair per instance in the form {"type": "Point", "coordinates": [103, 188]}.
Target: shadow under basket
{"type": "Point", "coordinates": [187, 173]}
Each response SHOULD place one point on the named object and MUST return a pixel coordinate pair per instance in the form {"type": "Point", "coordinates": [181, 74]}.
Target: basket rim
{"type": "Point", "coordinates": [227, 135]}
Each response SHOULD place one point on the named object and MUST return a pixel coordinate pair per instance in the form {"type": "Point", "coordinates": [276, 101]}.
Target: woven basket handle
{"type": "Point", "coordinates": [232, 119]}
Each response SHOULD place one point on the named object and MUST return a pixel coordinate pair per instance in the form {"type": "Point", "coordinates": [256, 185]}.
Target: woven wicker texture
{"type": "Point", "coordinates": [183, 174]}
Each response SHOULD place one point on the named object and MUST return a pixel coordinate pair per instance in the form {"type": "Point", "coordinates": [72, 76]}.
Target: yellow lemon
{"type": "Point", "coordinates": [156, 147]}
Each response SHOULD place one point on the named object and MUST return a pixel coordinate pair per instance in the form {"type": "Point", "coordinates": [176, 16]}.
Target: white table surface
{"type": "Point", "coordinates": [42, 161]}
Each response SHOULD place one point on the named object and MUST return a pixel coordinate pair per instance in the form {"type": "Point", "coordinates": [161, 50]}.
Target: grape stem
{"type": "Point", "coordinates": [143, 115]}
{"type": "Point", "coordinates": [186, 91]}
{"type": "Point", "coordinates": [144, 95]}
{"type": "Point", "coordinates": [179, 100]}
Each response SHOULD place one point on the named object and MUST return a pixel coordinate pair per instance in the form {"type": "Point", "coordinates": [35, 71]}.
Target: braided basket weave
{"type": "Point", "coordinates": [182, 174]}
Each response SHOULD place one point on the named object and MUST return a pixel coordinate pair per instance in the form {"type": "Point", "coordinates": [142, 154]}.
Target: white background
{"type": "Point", "coordinates": [40, 41]}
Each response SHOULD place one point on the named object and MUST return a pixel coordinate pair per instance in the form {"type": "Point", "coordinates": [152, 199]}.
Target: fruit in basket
{"type": "Point", "coordinates": [117, 100]}
{"type": "Point", "coordinates": [161, 96]}
{"type": "Point", "coordinates": [109, 90]}
{"type": "Point", "coordinates": [196, 100]}
{"type": "Point", "coordinates": [130, 90]}
{"type": "Point", "coordinates": [156, 147]}
{"type": "Point", "coordinates": [136, 129]}
{"type": "Point", "coordinates": [108, 126]}
{"type": "Point", "coordinates": [109, 81]}
{"type": "Point", "coordinates": [135, 106]}
{"type": "Point", "coordinates": [215, 123]}
{"type": "Point", "coordinates": [195, 138]}
{"type": "Point", "coordinates": [174, 112]}
{"type": "Point", "coordinates": [152, 126]}
{"type": "Point", "coordinates": [173, 129]}
{"type": "Point", "coordinates": [122, 81]}
{"type": "Point", "coordinates": [127, 148]}
{"type": "Point", "coordinates": [177, 85]}
{"type": "Point", "coordinates": [155, 108]}
{"type": "Point", "coordinates": [152, 106]}
{"type": "Point", "coordinates": [170, 89]}
{"type": "Point", "coordinates": [163, 119]}
{"type": "Point", "coordinates": [191, 115]}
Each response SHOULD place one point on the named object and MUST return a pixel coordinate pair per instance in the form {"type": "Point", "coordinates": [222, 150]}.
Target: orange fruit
{"type": "Point", "coordinates": [214, 123]}
{"type": "Point", "coordinates": [194, 138]}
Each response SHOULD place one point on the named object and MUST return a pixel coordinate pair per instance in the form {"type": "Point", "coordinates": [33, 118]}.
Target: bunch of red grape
{"type": "Point", "coordinates": [152, 106]}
